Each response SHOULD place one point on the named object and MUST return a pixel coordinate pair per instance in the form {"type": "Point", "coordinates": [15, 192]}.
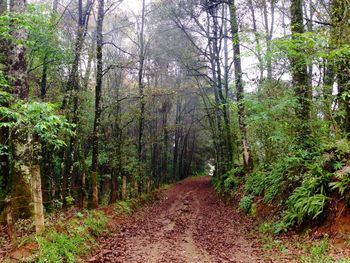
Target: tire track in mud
{"type": "Point", "coordinates": [190, 224]}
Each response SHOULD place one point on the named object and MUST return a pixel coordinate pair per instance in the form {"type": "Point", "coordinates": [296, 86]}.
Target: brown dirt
{"type": "Point", "coordinates": [189, 224]}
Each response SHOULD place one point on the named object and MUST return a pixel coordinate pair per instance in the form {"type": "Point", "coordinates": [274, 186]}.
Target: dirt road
{"type": "Point", "coordinates": [189, 224]}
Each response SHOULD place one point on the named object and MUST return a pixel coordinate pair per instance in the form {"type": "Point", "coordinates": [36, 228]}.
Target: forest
{"type": "Point", "coordinates": [104, 102]}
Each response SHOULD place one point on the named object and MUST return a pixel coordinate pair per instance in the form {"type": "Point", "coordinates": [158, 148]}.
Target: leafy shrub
{"type": "Point", "coordinates": [60, 247]}
{"type": "Point", "coordinates": [264, 183]}
{"type": "Point", "coordinates": [123, 207]}
{"type": "Point", "coordinates": [96, 223]}
{"type": "Point", "coordinates": [246, 203]}
{"type": "Point", "coordinates": [255, 183]}
{"type": "Point", "coordinates": [216, 181]}
{"type": "Point", "coordinates": [308, 200]}
{"type": "Point", "coordinates": [341, 185]}
{"type": "Point", "coordinates": [73, 240]}
{"type": "Point", "coordinates": [265, 227]}
{"type": "Point", "coordinates": [229, 184]}
{"type": "Point", "coordinates": [228, 181]}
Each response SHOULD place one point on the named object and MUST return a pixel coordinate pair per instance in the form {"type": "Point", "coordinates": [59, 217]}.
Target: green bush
{"type": "Point", "coordinates": [73, 240]}
{"type": "Point", "coordinates": [60, 247]}
{"type": "Point", "coordinates": [308, 200]}
{"type": "Point", "coordinates": [96, 223]}
{"type": "Point", "coordinates": [246, 203]}
{"type": "Point", "coordinates": [255, 183]}
{"type": "Point", "coordinates": [229, 181]}
{"type": "Point", "coordinates": [123, 207]}
{"type": "Point", "coordinates": [262, 183]}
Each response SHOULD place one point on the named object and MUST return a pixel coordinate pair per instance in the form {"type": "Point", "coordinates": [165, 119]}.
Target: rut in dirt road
{"type": "Point", "coordinates": [189, 224]}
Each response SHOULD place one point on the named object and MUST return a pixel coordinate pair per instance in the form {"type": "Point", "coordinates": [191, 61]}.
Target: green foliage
{"type": "Point", "coordinates": [270, 119]}
{"type": "Point", "coordinates": [246, 203]}
{"type": "Point", "coordinates": [255, 183]}
{"type": "Point", "coordinates": [74, 242]}
{"type": "Point", "coordinates": [318, 253]}
{"type": "Point", "coordinates": [313, 44]}
{"type": "Point", "coordinates": [270, 243]}
{"type": "Point", "coordinates": [269, 181]}
{"type": "Point", "coordinates": [69, 200]}
{"type": "Point", "coordinates": [39, 119]}
{"type": "Point", "coordinates": [199, 174]}
{"type": "Point", "coordinates": [228, 182]}
{"type": "Point", "coordinates": [308, 200]}
{"type": "Point", "coordinates": [60, 247]}
{"type": "Point", "coordinates": [342, 185]}
{"type": "Point", "coordinates": [96, 223]}
{"type": "Point", "coordinates": [265, 227]}
{"type": "Point", "coordinates": [5, 97]}
{"type": "Point", "coordinates": [216, 181]}
{"type": "Point", "coordinates": [123, 207]}
{"type": "Point", "coordinates": [303, 182]}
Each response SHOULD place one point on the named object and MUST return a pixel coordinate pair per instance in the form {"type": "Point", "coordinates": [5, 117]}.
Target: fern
{"type": "Point", "coordinates": [308, 200]}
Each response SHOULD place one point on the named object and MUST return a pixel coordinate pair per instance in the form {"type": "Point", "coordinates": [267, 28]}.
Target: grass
{"type": "Point", "coordinates": [311, 252]}
{"type": "Point", "coordinates": [317, 252]}
{"type": "Point", "coordinates": [68, 242]}
{"type": "Point", "coordinates": [124, 206]}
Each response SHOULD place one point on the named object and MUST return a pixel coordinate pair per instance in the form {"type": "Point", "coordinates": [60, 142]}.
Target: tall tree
{"type": "Point", "coordinates": [71, 98]}
{"type": "Point", "coordinates": [20, 139]}
{"type": "Point", "coordinates": [340, 39]}
{"type": "Point", "coordinates": [141, 46]}
{"type": "Point", "coordinates": [98, 93]}
{"type": "Point", "coordinates": [4, 131]}
{"type": "Point", "coordinates": [299, 70]}
{"type": "Point", "coordinates": [269, 27]}
{"type": "Point", "coordinates": [257, 40]}
{"type": "Point", "coordinates": [248, 162]}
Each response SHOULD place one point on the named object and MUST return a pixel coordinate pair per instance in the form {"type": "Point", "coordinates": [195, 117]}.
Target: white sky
{"type": "Point", "coordinates": [133, 5]}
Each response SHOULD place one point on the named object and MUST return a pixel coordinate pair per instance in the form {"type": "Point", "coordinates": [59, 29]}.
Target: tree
{"type": "Point", "coordinates": [72, 99]}
{"type": "Point", "coordinates": [339, 40]}
{"type": "Point", "coordinates": [98, 93]}
{"type": "Point", "coordinates": [4, 131]}
{"type": "Point", "coordinates": [141, 55]}
{"type": "Point", "coordinates": [21, 141]}
{"type": "Point", "coordinates": [248, 163]}
{"type": "Point", "coordinates": [299, 71]}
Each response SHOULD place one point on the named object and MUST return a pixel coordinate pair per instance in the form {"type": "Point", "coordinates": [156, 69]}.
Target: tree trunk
{"type": "Point", "coordinates": [43, 84]}
{"type": "Point", "coordinates": [114, 187]}
{"type": "Point", "coordinates": [98, 94]}
{"type": "Point", "coordinates": [248, 163]}
{"type": "Point", "coordinates": [124, 193]}
{"type": "Point", "coordinates": [141, 95]}
{"type": "Point", "coordinates": [268, 36]}
{"type": "Point", "coordinates": [257, 41]}
{"type": "Point", "coordinates": [20, 139]}
{"type": "Point", "coordinates": [4, 131]}
{"type": "Point", "coordinates": [340, 39]}
{"type": "Point", "coordinates": [73, 88]}
{"type": "Point", "coordinates": [36, 188]}
{"type": "Point", "coordinates": [228, 145]}
{"type": "Point", "coordinates": [300, 74]}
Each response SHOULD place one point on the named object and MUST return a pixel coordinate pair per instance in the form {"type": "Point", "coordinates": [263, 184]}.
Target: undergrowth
{"type": "Point", "coordinates": [300, 185]}
{"type": "Point", "coordinates": [317, 253]}
{"type": "Point", "coordinates": [69, 241]}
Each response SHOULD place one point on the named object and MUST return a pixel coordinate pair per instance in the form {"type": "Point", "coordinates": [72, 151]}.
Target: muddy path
{"type": "Point", "coordinates": [189, 224]}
